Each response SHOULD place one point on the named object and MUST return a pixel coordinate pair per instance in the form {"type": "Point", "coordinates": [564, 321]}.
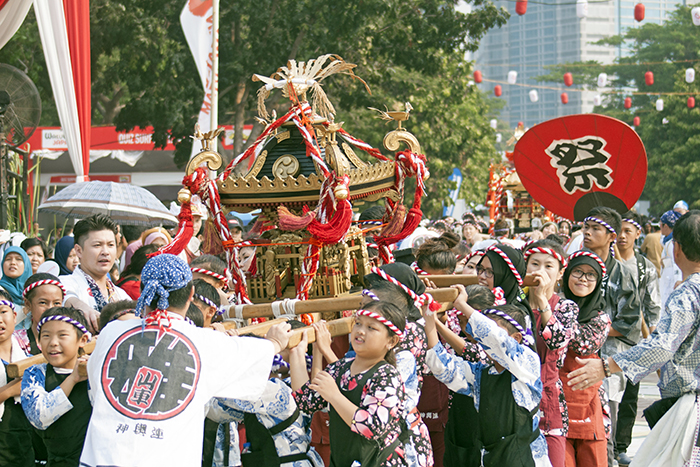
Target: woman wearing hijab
{"type": "Point", "coordinates": [16, 269]}
{"type": "Point", "coordinates": [64, 255]}
{"type": "Point", "coordinates": [586, 443]}
{"type": "Point", "coordinates": [502, 269]}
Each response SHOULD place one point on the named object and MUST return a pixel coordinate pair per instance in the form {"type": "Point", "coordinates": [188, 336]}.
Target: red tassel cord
{"type": "Point", "coordinates": [288, 221]}
{"type": "Point", "coordinates": [184, 233]}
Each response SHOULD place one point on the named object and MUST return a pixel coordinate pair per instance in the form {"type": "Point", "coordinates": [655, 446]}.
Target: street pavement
{"type": "Point", "coordinates": [648, 394]}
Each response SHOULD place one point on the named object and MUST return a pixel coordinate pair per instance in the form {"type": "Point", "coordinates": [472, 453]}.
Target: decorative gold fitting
{"type": "Point", "coordinates": [211, 158]}
{"type": "Point", "coordinates": [184, 196]}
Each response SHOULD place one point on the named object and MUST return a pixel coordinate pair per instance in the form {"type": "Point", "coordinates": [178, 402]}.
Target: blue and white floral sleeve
{"type": "Point", "coordinates": [457, 374]}
{"type": "Point", "coordinates": [519, 360]}
{"type": "Point", "coordinates": [42, 408]}
{"type": "Point", "coordinates": [406, 364]}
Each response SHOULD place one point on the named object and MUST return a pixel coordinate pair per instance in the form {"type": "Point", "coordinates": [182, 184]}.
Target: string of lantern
{"type": "Point", "coordinates": [582, 9]}
{"type": "Point", "coordinates": [612, 91]}
{"type": "Point", "coordinates": [591, 65]}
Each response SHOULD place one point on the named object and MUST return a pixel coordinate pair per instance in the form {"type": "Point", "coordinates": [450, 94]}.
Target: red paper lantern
{"type": "Point", "coordinates": [635, 121]}
{"type": "Point", "coordinates": [564, 98]}
{"type": "Point", "coordinates": [691, 102]}
{"type": "Point", "coordinates": [649, 78]}
{"type": "Point", "coordinates": [639, 12]}
{"type": "Point", "coordinates": [568, 79]}
{"type": "Point", "coordinates": [628, 102]}
{"type": "Point", "coordinates": [521, 7]}
{"type": "Point", "coordinates": [497, 91]}
{"type": "Point", "coordinates": [477, 76]}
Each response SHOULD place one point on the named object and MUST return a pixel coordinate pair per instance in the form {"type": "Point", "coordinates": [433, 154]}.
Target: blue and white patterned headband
{"type": "Point", "coordinates": [607, 226]}
{"type": "Point", "coordinates": [370, 294]}
{"type": "Point", "coordinates": [65, 319]}
{"type": "Point", "coordinates": [8, 303]}
{"type": "Point", "coordinates": [527, 335]}
{"type": "Point", "coordinates": [207, 302]}
{"type": "Point", "coordinates": [601, 222]}
{"type": "Point", "coordinates": [161, 275]}
{"type": "Point", "coordinates": [633, 222]}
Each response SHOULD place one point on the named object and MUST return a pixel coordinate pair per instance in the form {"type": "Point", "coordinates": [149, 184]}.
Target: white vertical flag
{"type": "Point", "coordinates": [196, 19]}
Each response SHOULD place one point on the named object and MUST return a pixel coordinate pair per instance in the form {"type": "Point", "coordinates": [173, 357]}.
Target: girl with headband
{"type": "Point", "coordinates": [54, 394]}
{"type": "Point", "coordinates": [396, 283]}
{"type": "Point", "coordinates": [507, 390]}
{"type": "Point", "coordinates": [365, 392]}
{"type": "Point", "coordinates": [554, 321]}
{"type": "Point", "coordinates": [471, 263]}
{"type": "Point", "coordinates": [15, 431]}
{"type": "Point", "coordinates": [42, 291]}
{"type": "Point", "coordinates": [586, 443]}
{"type": "Point", "coordinates": [502, 269]}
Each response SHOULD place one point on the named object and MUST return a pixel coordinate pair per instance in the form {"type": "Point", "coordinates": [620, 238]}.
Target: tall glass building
{"type": "Point", "coordinates": [553, 34]}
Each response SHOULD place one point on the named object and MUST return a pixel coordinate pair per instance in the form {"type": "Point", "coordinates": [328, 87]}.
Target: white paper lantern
{"type": "Point", "coordinates": [690, 75]}
{"type": "Point", "coordinates": [659, 104]}
{"type": "Point", "coordinates": [581, 8]}
{"type": "Point", "coordinates": [696, 15]}
{"type": "Point", "coordinates": [534, 97]}
{"type": "Point", "coordinates": [602, 80]}
{"type": "Point", "coordinates": [498, 137]}
{"type": "Point", "coordinates": [597, 100]}
{"type": "Point", "coordinates": [493, 123]}
{"type": "Point", "coordinates": [664, 121]}
{"type": "Point", "coordinates": [512, 76]}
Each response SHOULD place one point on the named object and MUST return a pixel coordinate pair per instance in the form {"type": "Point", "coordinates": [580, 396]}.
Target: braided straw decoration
{"type": "Point", "coordinates": [36, 284]}
{"type": "Point", "coordinates": [509, 263]}
{"type": "Point", "coordinates": [381, 319]}
{"type": "Point", "coordinates": [547, 251]}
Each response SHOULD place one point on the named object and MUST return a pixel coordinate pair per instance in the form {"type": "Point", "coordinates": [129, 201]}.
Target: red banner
{"type": "Point", "coordinates": [108, 138]}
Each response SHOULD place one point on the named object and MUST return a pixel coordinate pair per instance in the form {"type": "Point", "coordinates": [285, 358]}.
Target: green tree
{"type": "Point", "coordinates": [670, 136]}
{"type": "Point", "coordinates": [407, 50]}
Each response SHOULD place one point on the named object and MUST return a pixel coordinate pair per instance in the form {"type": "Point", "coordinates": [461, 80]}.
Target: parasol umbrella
{"type": "Point", "coordinates": [125, 203]}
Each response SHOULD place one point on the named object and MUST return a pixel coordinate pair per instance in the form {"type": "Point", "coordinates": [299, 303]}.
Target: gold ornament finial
{"type": "Point", "coordinates": [399, 116]}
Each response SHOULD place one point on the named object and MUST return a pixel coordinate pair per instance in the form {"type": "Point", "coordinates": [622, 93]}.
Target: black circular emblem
{"type": "Point", "coordinates": [151, 374]}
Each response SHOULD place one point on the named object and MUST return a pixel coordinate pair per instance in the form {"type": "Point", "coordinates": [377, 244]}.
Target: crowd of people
{"type": "Point", "coordinates": [537, 363]}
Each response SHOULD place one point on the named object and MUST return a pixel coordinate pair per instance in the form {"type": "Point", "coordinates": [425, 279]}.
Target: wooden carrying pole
{"type": "Point", "coordinates": [446, 280]}
{"type": "Point", "coordinates": [349, 302]}
{"type": "Point", "coordinates": [337, 327]}
{"type": "Point", "coordinates": [16, 370]}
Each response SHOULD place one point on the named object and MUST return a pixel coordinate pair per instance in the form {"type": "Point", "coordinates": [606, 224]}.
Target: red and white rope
{"type": "Point", "coordinates": [381, 319]}
{"type": "Point", "coordinates": [547, 251]}
{"type": "Point", "coordinates": [418, 270]}
{"type": "Point", "coordinates": [589, 254]}
{"type": "Point", "coordinates": [418, 300]}
{"type": "Point", "coordinates": [36, 284]}
{"type": "Point", "coordinates": [508, 262]}
{"type": "Point", "coordinates": [209, 273]}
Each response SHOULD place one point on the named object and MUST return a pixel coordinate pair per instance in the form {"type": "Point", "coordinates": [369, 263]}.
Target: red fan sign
{"type": "Point", "coordinates": [571, 164]}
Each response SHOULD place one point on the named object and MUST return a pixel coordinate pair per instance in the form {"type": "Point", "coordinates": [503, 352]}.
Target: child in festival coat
{"type": "Point", "coordinates": [54, 394]}
{"type": "Point", "coordinates": [506, 393]}
{"type": "Point", "coordinates": [365, 392]}
{"type": "Point", "coordinates": [41, 292]}
{"type": "Point", "coordinates": [15, 431]}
